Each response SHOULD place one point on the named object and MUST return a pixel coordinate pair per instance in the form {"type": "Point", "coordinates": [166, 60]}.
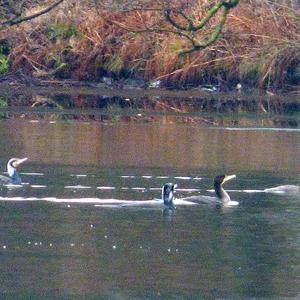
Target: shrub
{"type": "Point", "coordinates": [4, 64]}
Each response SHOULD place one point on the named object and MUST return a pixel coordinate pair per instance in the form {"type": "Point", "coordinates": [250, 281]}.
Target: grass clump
{"type": "Point", "coordinates": [3, 102]}
{"type": "Point", "coordinates": [272, 66]}
{"type": "Point", "coordinates": [4, 64]}
{"type": "Point", "coordinates": [62, 31]}
{"type": "Point", "coordinates": [4, 52]}
{"type": "Point", "coordinates": [115, 65]}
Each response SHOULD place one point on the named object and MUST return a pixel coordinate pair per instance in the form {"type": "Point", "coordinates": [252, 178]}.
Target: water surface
{"type": "Point", "coordinates": [57, 243]}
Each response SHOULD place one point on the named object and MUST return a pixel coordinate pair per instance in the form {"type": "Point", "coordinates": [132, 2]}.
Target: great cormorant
{"type": "Point", "coordinates": [167, 199]}
{"type": "Point", "coordinates": [14, 177]}
{"type": "Point", "coordinates": [290, 190]}
{"type": "Point", "coordinates": [168, 194]}
{"type": "Point", "coordinates": [222, 196]}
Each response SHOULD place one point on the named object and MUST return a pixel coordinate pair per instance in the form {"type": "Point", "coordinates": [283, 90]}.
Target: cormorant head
{"type": "Point", "coordinates": [219, 181]}
{"type": "Point", "coordinates": [168, 194]}
{"type": "Point", "coordinates": [238, 87]}
{"type": "Point", "coordinates": [13, 164]}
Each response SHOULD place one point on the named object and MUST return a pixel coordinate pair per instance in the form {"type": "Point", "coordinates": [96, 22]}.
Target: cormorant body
{"type": "Point", "coordinates": [221, 197]}
{"type": "Point", "coordinates": [168, 194]}
{"type": "Point", "coordinates": [291, 190]}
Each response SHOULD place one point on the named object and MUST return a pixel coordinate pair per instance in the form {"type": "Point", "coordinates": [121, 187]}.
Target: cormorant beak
{"type": "Point", "coordinates": [228, 177]}
{"type": "Point", "coordinates": [18, 162]}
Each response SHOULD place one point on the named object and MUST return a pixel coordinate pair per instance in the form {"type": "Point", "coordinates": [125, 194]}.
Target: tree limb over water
{"type": "Point", "coordinates": [180, 20]}
{"type": "Point", "coordinates": [16, 9]}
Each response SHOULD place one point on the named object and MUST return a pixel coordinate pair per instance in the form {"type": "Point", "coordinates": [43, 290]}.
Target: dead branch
{"type": "Point", "coordinates": [178, 22]}
{"type": "Point", "coordinates": [19, 19]}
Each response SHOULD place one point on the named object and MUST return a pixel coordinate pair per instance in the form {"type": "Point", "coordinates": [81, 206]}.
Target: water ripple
{"type": "Point", "coordinates": [77, 187]}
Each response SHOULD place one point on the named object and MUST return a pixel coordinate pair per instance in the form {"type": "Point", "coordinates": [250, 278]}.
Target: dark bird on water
{"type": "Point", "coordinates": [221, 197]}
{"type": "Point", "coordinates": [12, 165]}
{"type": "Point", "coordinates": [168, 194]}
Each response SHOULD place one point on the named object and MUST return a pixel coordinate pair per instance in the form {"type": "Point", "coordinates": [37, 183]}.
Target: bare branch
{"type": "Point", "coordinates": [154, 29]}
{"type": "Point", "coordinates": [179, 22]}
{"type": "Point", "coordinates": [18, 20]}
{"type": "Point", "coordinates": [208, 16]}
{"type": "Point", "coordinates": [230, 4]}
{"type": "Point", "coordinates": [167, 14]}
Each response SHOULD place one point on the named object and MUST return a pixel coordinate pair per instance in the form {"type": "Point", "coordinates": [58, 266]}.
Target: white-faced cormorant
{"type": "Point", "coordinates": [221, 197]}
{"type": "Point", "coordinates": [14, 177]}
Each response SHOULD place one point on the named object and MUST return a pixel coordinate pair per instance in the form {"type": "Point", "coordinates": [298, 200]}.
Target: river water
{"type": "Point", "coordinates": [64, 233]}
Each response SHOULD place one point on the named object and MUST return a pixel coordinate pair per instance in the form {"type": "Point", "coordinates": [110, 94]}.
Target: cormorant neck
{"type": "Point", "coordinates": [221, 193]}
{"type": "Point", "coordinates": [168, 199]}
{"type": "Point", "coordinates": [10, 170]}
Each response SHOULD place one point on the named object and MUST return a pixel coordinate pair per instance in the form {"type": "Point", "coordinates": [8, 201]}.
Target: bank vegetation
{"type": "Point", "coordinates": [258, 42]}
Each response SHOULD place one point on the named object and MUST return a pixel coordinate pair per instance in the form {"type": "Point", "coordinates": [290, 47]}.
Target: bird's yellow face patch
{"type": "Point", "coordinates": [18, 162]}
{"type": "Point", "coordinates": [228, 177]}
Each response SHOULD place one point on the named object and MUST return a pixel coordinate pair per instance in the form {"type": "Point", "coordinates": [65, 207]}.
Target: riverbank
{"type": "Point", "coordinates": [13, 85]}
{"type": "Point", "coordinates": [259, 48]}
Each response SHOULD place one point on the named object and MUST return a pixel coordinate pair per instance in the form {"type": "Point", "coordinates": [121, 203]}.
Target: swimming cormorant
{"type": "Point", "coordinates": [290, 190]}
{"type": "Point", "coordinates": [14, 177]}
{"type": "Point", "coordinates": [222, 196]}
{"type": "Point", "coordinates": [168, 194]}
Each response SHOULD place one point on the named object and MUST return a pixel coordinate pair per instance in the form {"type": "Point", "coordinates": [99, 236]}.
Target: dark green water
{"type": "Point", "coordinates": [52, 247]}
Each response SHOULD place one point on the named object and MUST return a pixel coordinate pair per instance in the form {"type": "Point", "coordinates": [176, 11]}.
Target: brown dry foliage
{"type": "Point", "coordinates": [260, 44]}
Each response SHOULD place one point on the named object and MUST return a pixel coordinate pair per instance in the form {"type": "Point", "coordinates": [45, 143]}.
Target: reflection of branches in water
{"type": "Point", "coordinates": [179, 107]}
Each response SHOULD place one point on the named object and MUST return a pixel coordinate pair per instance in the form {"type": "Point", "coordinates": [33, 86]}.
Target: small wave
{"type": "Point", "coordinates": [188, 190]}
{"type": "Point", "coordinates": [78, 175]}
{"type": "Point", "coordinates": [252, 191]}
{"type": "Point", "coordinates": [162, 177]}
{"type": "Point", "coordinates": [183, 177]}
{"type": "Point", "coordinates": [37, 186]}
{"type": "Point", "coordinates": [147, 176]}
{"type": "Point", "coordinates": [106, 188]}
{"type": "Point", "coordinates": [77, 187]}
{"type": "Point", "coordinates": [98, 201]}
{"type": "Point", "coordinates": [13, 186]}
{"type": "Point", "coordinates": [245, 191]}
{"type": "Point", "coordinates": [155, 203]}
{"type": "Point", "coordinates": [239, 191]}
{"type": "Point", "coordinates": [128, 176]}
{"type": "Point", "coordinates": [260, 129]}
{"type": "Point", "coordinates": [274, 192]}
{"type": "Point", "coordinates": [66, 200]}
{"type": "Point", "coordinates": [32, 174]}
{"type": "Point", "coordinates": [12, 199]}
